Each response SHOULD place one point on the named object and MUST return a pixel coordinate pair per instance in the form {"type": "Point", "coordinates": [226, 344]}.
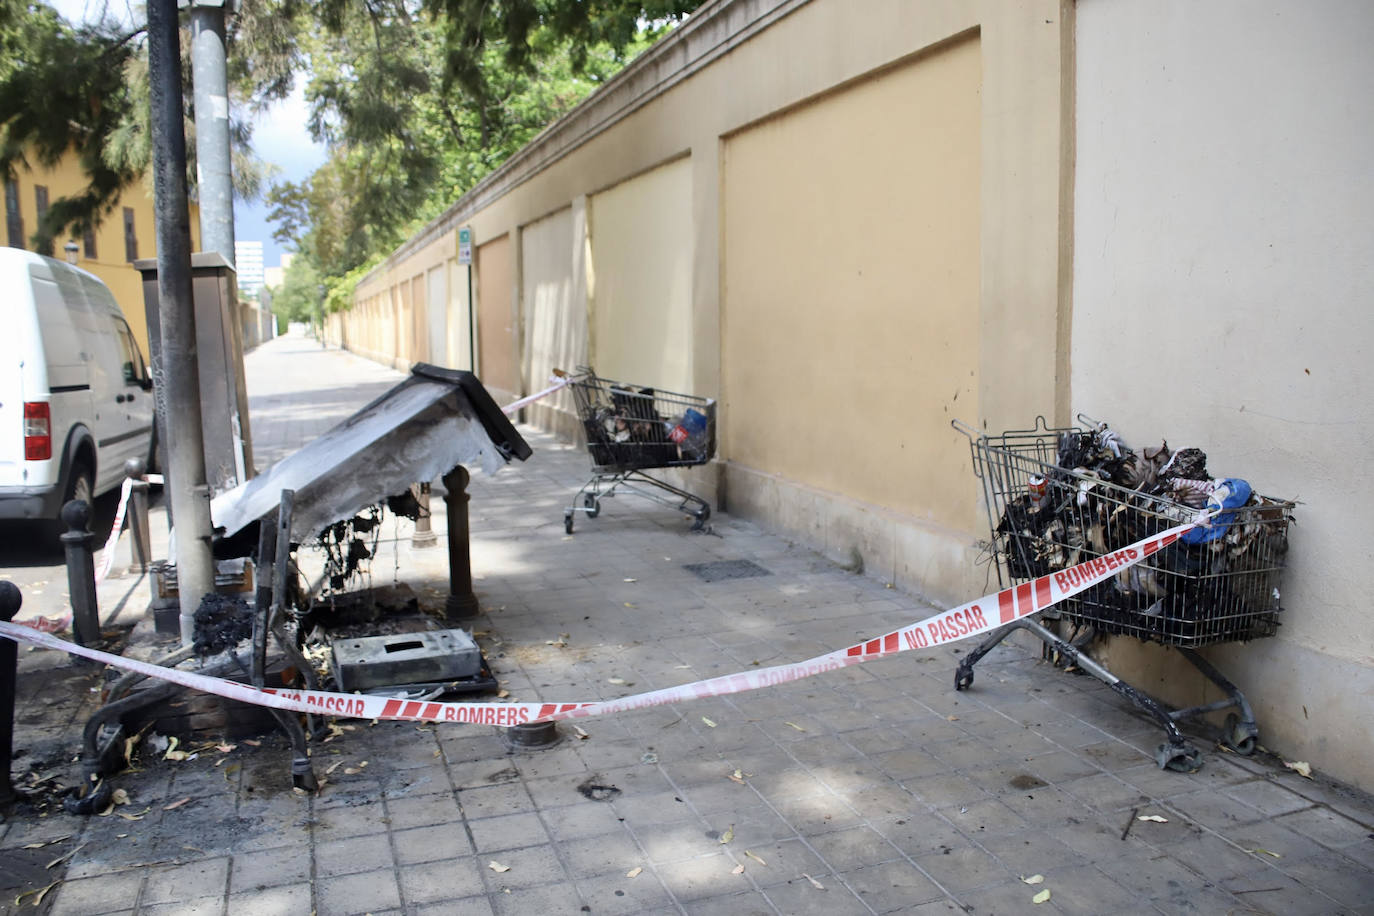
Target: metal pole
{"type": "Point", "coordinates": [424, 535]}
{"type": "Point", "coordinates": [10, 600]}
{"type": "Point", "coordinates": [209, 79]}
{"type": "Point", "coordinates": [77, 542]}
{"type": "Point", "coordinates": [135, 469]}
{"type": "Point", "coordinates": [461, 600]}
{"type": "Point", "coordinates": [189, 496]}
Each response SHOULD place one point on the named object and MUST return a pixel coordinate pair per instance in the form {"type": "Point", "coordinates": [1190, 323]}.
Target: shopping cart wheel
{"type": "Point", "coordinates": [963, 677]}
{"type": "Point", "coordinates": [1238, 737]}
{"type": "Point", "coordinates": [1181, 758]}
{"type": "Point", "coordinates": [567, 521]}
{"type": "Point", "coordinates": [591, 504]}
{"type": "Point", "coordinates": [701, 516]}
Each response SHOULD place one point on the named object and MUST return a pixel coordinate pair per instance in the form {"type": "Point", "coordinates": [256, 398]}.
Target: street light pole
{"type": "Point", "coordinates": [210, 84]}
{"type": "Point", "coordinates": [178, 391]}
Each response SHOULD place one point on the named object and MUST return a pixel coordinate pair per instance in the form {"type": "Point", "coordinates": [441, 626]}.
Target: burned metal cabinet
{"type": "Point", "coordinates": [219, 345]}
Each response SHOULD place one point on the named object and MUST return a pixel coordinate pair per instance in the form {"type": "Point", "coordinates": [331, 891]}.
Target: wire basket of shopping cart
{"type": "Point", "coordinates": [632, 429]}
{"type": "Point", "coordinates": [1057, 497]}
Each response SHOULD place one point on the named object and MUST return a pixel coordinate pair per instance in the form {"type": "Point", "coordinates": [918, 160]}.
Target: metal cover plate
{"type": "Point", "coordinates": [362, 663]}
{"type": "Point", "coordinates": [721, 570]}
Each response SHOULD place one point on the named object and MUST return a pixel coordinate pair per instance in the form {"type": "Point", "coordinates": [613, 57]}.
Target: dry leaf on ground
{"type": "Point", "coordinates": [814, 883]}
{"type": "Point", "coordinates": [708, 722]}
{"type": "Point", "coordinates": [1153, 818]}
{"type": "Point", "coordinates": [1301, 767]}
{"type": "Point", "coordinates": [737, 870]}
{"type": "Point", "coordinates": [757, 859]}
{"type": "Point", "coordinates": [1041, 897]}
{"type": "Point", "coordinates": [176, 804]}
{"type": "Point", "coordinates": [497, 866]}
{"type": "Point", "coordinates": [728, 835]}
{"type": "Point", "coordinates": [634, 872]}
{"type": "Point", "coordinates": [1034, 879]}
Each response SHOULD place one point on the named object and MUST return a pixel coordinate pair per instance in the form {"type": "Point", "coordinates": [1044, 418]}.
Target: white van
{"type": "Point", "coordinates": [76, 398]}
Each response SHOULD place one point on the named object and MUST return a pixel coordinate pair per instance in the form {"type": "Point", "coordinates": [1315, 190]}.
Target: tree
{"type": "Point", "coordinates": [85, 90]}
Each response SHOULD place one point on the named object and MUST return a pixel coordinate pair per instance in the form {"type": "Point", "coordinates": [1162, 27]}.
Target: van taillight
{"type": "Point", "coordinates": [37, 431]}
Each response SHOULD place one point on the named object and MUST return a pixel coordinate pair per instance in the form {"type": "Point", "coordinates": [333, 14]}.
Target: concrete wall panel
{"type": "Point", "coordinates": [850, 331]}
{"type": "Point", "coordinates": [641, 293]}
{"type": "Point", "coordinates": [498, 326]}
{"type": "Point", "coordinates": [1222, 294]}
{"type": "Point", "coordinates": [553, 309]}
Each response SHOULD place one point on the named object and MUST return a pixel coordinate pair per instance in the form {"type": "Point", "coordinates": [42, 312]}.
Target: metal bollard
{"type": "Point", "coordinates": [424, 535]}
{"type": "Point", "coordinates": [461, 601]}
{"type": "Point", "coordinates": [10, 600]}
{"type": "Point", "coordinates": [136, 469]}
{"type": "Point", "coordinates": [76, 515]}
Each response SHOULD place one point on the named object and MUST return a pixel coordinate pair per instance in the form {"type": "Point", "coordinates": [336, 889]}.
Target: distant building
{"type": "Point", "coordinates": [248, 260]}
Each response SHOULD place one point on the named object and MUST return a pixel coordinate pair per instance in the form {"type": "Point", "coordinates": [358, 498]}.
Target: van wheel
{"type": "Point", "coordinates": [80, 485]}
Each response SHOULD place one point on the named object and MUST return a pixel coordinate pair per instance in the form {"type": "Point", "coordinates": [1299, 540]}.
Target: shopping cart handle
{"type": "Point", "coordinates": [964, 428]}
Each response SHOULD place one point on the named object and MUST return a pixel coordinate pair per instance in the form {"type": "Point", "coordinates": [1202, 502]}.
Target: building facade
{"type": "Point", "coordinates": [854, 229]}
{"type": "Point", "coordinates": [125, 235]}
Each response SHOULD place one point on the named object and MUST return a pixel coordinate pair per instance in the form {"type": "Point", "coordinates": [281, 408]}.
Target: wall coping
{"type": "Point", "coordinates": [715, 29]}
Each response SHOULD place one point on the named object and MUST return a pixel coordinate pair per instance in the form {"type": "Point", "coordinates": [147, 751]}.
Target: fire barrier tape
{"type": "Point", "coordinates": [971, 619]}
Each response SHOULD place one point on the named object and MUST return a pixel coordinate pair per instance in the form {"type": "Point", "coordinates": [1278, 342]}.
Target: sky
{"type": "Point", "coordinates": [280, 135]}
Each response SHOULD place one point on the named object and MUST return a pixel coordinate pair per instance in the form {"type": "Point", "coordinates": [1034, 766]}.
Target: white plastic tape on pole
{"type": "Point", "coordinates": [971, 619]}
{"type": "Point", "coordinates": [558, 382]}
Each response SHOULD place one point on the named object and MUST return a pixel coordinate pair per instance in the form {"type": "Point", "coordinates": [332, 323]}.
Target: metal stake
{"type": "Point", "coordinates": [424, 535]}
{"type": "Point", "coordinates": [77, 542]}
{"type": "Point", "coordinates": [10, 600]}
{"type": "Point", "coordinates": [135, 469]}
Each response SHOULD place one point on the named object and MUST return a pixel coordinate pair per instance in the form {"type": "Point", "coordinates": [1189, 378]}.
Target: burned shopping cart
{"type": "Point", "coordinates": [630, 430]}
{"type": "Point", "coordinates": [1059, 497]}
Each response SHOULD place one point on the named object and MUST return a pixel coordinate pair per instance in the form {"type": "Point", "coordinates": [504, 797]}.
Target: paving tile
{"type": "Point", "coordinates": [1334, 875]}
{"type": "Point", "coordinates": [96, 895]}
{"type": "Point", "coordinates": [615, 894]}
{"type": "Point", "coordinates": [799, 895]}
{"type": "Point", "coordinates": [423, 811]}
{"type": "Point", "coordinates": [1326, 827]}
{"type": "Point", "coordinates": [509, 831]}
{"type": "Point", "coordinates": [429, 844]}
{"type": "Point", "coordinates": [491, 801]}
{"type": "Point", "coordinates": [891, 887]}
{"type": "Point", "coordinates": [709, 875]}
{"type": "Point", "coordinates": [365, 892]}
{"type": "Point", "coordinates": [529, 867]}
{"type": "Point", "coordinates": [963, 868]}
{"type": "Point", "coordinates": [611, 853]}
{"type": "Point", "coordinates": [273, 901]}
{"type": "Point", "coordinates": [844, 850]}
{"type": "Point", "coordinates": [272, 868]}
{"type": "Point", "coordinates": [170, 883]}
{"type": "Point", "coordinates": [749, 903]}
{"type": "Point", "coordinates": [195, 906]}
{"type": "Point", "coordinates": [356, 854]}
{"type": "Point", "coordinates": [1088, 891]}
{"type": "Point", "coordinates": [467, 906]}
{"type": "Point", "coordinates": [551, 899]}
{"type": "Point", "coordinates": [446, 879]}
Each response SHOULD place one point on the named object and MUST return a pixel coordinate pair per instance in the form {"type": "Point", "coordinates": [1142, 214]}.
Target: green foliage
{"type": "Point", "coordinates": [300, 294]}
{"type": "Point", "coordinates": [63, 89]}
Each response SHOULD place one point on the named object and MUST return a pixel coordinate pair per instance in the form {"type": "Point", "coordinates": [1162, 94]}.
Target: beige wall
{"type": "Point", "coordinates": [498, 325]}
{"type": "Point", "coordinates": [1223, 301]}
{"type": "Point", "coordinates": [554, 309]}
{"type": "Point", "coordinates": [986, 179]}
{"type": "Point", "coordinates": [641, 286]}
{"type": "Point", "coordinates": [849, 318]}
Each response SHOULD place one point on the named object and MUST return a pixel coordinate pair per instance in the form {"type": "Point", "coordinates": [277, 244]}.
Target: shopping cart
{"type": "Point", "coordinates": [1058, 497]}
{"type": "Point", "coordinates": [630, 430]}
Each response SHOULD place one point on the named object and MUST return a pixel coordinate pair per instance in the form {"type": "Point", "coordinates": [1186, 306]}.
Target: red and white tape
{"type": "Point", "coordinates": [971, 619]}
{"type": "Point", "coordinates": [559, 381]}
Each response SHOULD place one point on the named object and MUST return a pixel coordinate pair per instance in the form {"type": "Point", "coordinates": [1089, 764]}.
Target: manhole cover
{"type": "Point", "coordinates": [726, 569]}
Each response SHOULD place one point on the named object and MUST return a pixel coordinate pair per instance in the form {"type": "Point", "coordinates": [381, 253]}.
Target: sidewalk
{"type": "Point", "coordinates": [873, 789]}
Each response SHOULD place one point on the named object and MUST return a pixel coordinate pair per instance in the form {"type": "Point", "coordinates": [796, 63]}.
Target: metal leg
{"type": "Point", "coordinates": [1240, 733]}
{"type": "Point", "coordinates": [963, 675]}
{"type": "Point", "coordinates": [1177, 754]}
